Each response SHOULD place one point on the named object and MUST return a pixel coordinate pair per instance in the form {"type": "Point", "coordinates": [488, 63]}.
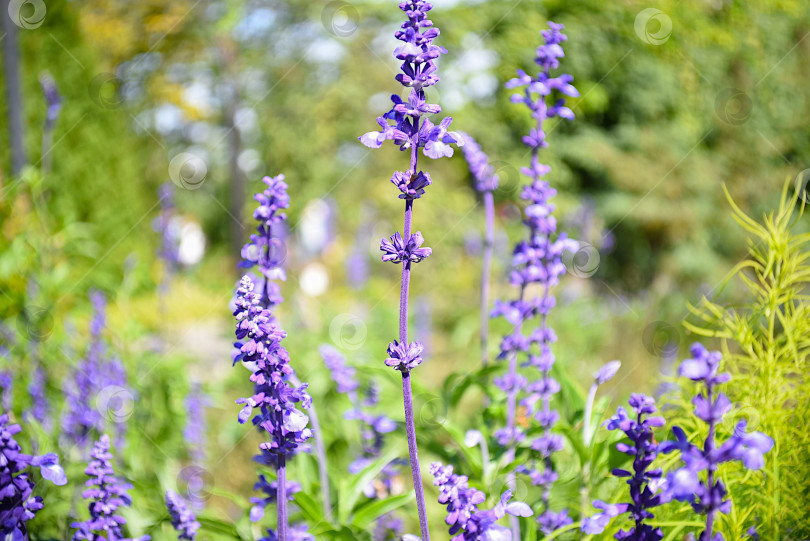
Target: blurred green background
{"type": "Point", "coordinates": [677, 99]}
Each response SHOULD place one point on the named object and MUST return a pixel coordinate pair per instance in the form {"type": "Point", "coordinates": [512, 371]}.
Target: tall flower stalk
{"type": "Point", "coordinates": [275, 398]}
{"type": "Point", "coordinates": [106, 493]}
{"type": "Point", "coordinates": [265, 250]}
{"type": "Point", "coordinates": [644, 482]}
{"type": "Point", "coordinates": [708, 496]}
{"type": "Point", "coordinates": [485, 182]}
{"type": "Point", "coordinates": [407, 125]}
{"type": "Point", "coordinates": [537, 261]}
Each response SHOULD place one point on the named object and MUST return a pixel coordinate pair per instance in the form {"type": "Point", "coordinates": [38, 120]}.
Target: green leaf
{"type": "Point", "coordinates": [349, 494]}
{"type": "Point", "coordinates": [309, 507]}
{"type": "Point", "coordinates": [369, 512]}
{"type": "Point", "coordinates": [215, 525]}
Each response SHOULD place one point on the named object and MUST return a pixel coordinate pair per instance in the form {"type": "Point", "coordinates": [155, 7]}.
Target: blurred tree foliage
{"type": "Point", "coordinates": [702, 93]}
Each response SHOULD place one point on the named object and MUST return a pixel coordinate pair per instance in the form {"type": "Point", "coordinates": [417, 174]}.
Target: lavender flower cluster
{"type": "Point", "coordinates": [265, 249]}
{"type": "Point", "coordinates": [484, 177]}
{"type": "Point", "coordinates": [183, 519]}
{"type": "Point", "coordinates": [106, 495]}
{"type": "Point", "coordinates": [708, 496]}
{"type": "Point", "coordinates": [259, 342]}
{"type": "Point", "coordinates": [466, 521]}
{"type": "Point", "coordinates": [277, 390]}
{"type": "Point", "coordinates": [536, 260]}
{"type": "Point", "coordinates": [408, 126]}
{"type": "Point", "coordinates": [643, 481]}
{"type": "Point", "coordinates": [18, 505]}
{"type": "Point", "coordinates": [373, 431]}
{"type": "Point", "coordinates": [98, 371]}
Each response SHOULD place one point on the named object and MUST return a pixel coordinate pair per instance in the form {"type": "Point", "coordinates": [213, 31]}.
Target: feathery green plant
{"type": "Point", "coordinates": [766, 344]}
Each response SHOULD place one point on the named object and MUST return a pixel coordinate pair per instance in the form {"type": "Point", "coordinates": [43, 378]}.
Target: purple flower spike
{"type": "Point", "coordinates": [407, 126]}
{"type": "Point", "coordinates": [466, 521]}
{"type": "Point", "coordinates": [183, 520]}
{"type": "Point", "coordinates": [643, 481]}
{"type": "Point", "coordinates": [482, 172]}
{"type": "Point", "coordinates": [606, 373]}
{"type": "Point", "coordinates": [343, 375]}
{"type": "Point", "coordinates": [18, 505]}
{"type": "Point", "coordinates": [409, 129]}
{"type": "Point", "coordinates": [485, 182]}
{"type": "Point", "coordinates": [266, 249]}
{"type": "Point", "coordinates": [708, 497]}
{"type": "Point", "coordinates": [536, 260]}
{"type": "Point", "coordinates": [276, 388]}
{"type": "Point", "coordinates": [275, 399]}
{"type": "Point", "coordinates": [106, 495]}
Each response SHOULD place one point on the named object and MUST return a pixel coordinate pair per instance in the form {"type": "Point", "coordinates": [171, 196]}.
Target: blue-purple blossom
{"type": "Point", "coordinates": [53, 99]}
{"type": "Point", "coordinates": [387, 528]}
{"type": "Point", "coordinates": [396, 250]}
{"type": "Point", "coordinates": [106, 494]}
{"type": "Point", "coordinates": [708, 496]}
{"type": "Point", "coordinates": [270, 490]}
{"type": "Point", "coordinates": [265, 250]}
{"type": "Point", "coordinates": [183, 519]}
{"type": "Point", "coordinates": [484, 177]}
{"type": "Point", "coordinates": [404, 357]}
{"type": "Point", "coordinates": [411, 185]}
{"type": "Point", "coordinates": [466, 521]}
{"type": "Point", "coordinates": [82, 418]}
{"type": "Point", "coordinates": [7, 386]}
{"type": "Point", "coordinates": [408, 128]}
{"type": "Point", "coordinates": [455, 492]}
{"type": "Point", "coordinates": [274, 401]}
{"type": "Point", "coordinates": [296, 532]}
{"type": "Point", "coordinates": [606, 373]}
{"type": "Point", "coordinates": [342, 374]}
{"type": "Point", "coordinates": [18, 505]}
{"type": "Point", "coordinates": [536, 260]}
{"type": "Point", "coordinates": [373, 427]}
{"type": "Point", "coordinates": [195, 429]}
{"type": "Point", "coordinates": [39, 410]}
{"type": "Point", "coordinates": [644, 482]}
